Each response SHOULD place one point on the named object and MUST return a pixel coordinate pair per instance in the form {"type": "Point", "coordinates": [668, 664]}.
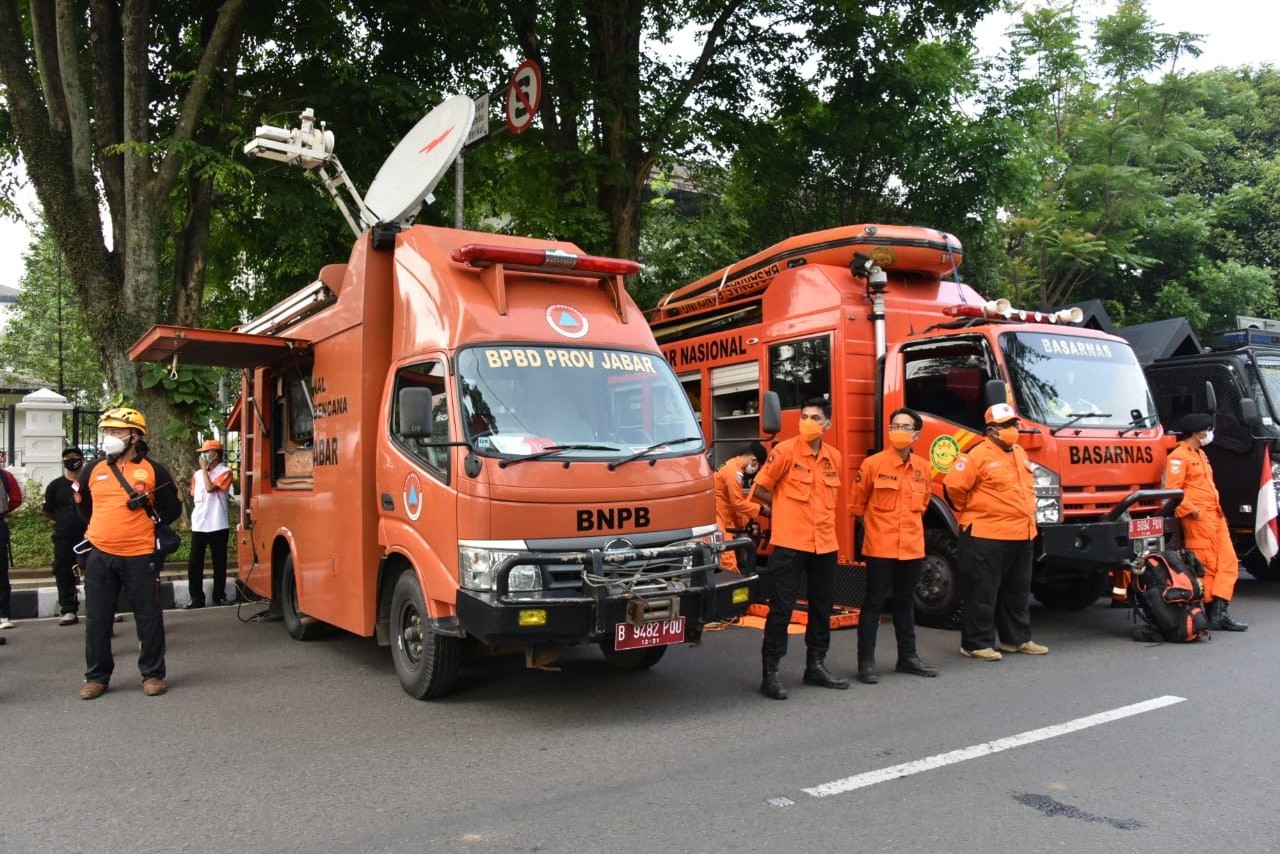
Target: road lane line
{"type": "Point", "coordinates": [906, 769]}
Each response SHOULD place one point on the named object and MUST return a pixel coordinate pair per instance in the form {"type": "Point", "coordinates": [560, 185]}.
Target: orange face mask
{"type": "Point", "coordinates": [810, 430]}
{"type": "Point", "coordinates": [1008, 435]}
{"type": "Point", "coordinates": [901, 440]}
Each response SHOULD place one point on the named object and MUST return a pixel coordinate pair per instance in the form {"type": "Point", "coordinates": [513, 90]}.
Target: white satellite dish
{"type": "Point", "coordinates": [417, 164]}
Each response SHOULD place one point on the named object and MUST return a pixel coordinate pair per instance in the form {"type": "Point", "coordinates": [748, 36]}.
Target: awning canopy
{"type": "Point", "coordinates": [213, 347]}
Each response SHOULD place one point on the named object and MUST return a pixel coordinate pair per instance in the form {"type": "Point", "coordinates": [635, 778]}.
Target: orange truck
{"type": "Point", "coordinates": [462, 441]}
{"type": "Point", "coordinates": [873, 318]}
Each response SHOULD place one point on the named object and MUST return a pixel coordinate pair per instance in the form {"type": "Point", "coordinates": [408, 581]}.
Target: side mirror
{"type": "Point", "coordinates": [771, 414]}
{"type": "Point", "coordinates": [993, 392]}
{"type": "Point", "coordinates": [1210, 397]}
{"type": "Point", "coordinates": [414, 421]}
{"type": "Point", "coordinates": [1249, 412]}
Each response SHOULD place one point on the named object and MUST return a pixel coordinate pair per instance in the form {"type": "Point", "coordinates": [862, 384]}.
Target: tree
{"type": "Point", "coordinates": [45, 338]}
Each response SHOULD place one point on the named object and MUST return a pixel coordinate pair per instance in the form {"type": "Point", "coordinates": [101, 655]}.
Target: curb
{"type": "Point", "coordinates": [35, 602]}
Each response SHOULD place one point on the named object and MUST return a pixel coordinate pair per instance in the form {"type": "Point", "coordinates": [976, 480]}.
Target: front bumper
{"type": "Point", "coordinates": [1081, 549]}
{"type": "Point", "coordinates": [609, 594]}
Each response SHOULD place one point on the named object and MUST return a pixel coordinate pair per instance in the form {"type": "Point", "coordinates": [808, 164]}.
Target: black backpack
{"type": "Point", "coordinates": [1168, 595]}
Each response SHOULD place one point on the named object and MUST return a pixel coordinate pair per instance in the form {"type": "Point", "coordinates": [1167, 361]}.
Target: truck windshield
{"type": "Point", "coordinates": [1061, 379]}
{"type": "Point", "coordinates": [589, 403]}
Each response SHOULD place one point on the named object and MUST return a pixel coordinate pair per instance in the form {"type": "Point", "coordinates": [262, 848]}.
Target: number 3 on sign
{"type": "Point", "coordinates": [524, 94]}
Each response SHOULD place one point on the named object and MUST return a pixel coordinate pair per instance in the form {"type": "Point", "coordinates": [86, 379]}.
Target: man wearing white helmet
{"type": "Point", "coordinates": [993, 493]}
{"type": "Point", "coordinates": [210, 523]}
{"type": "Point", "coordinates": [122, 496]}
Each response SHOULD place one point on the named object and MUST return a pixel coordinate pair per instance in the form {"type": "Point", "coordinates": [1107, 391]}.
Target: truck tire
{"type": "Point", "coordinates": [426, 662]}
{"type": "Point", "coordinates": [297, 624]}
{"type": "Point", "coordinates": [631, 659]}
{"type": "Point", "coordinates": [1074, 595]}
{"type": "Point", "coordinates": [1261, 568]}
{"type": "Point", "coordinates": [938, 598]}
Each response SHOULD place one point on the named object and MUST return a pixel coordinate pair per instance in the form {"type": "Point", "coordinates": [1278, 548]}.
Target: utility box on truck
{"type": "Point", "coordinates": [1242, 367]}
{"type": "Point", "coordinates": [867, 315]}
{"type": "Point", "coordinates": [463, 440]}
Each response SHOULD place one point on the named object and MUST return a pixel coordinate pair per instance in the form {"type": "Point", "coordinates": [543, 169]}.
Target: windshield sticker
{"type": "Point", "coordinates": [537, 357]}
{"type": "Point", "coordinates": [567, 320]}
{"type": "Point", "coordinates": [1074, 347]}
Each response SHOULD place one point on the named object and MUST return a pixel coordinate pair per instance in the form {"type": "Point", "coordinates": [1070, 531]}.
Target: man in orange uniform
{"type": "Point", "coordinates": [992, 490]}
{"type": "Point", "coordinates": [799, 482]}
{"type": "Point", "coordinates": [891, 493]}
{"type": "Point", "coordinates": [1204, 527]}
{"type": "Point", "coordinates": [733, 508]}
{"type": "Point", "coordinates": [121, 496]}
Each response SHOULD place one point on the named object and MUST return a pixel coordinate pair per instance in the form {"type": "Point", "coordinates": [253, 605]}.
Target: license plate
{"type": "Point", "coordinates": [656, 633]}
{"type": "Point", "coordinates": [1140, 529]}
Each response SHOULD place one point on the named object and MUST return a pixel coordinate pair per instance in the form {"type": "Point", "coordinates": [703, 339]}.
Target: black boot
{"type": "Point", "coordinates": [867, 673]}
{"type": "Point", "coordinates": [816, 672]}
{"type": "Point", "coordinates": [1220, 617]}
{"type": "Point", "coordinates": [771, 684]}
{"type": "Point", "coordinates": [913, 664]}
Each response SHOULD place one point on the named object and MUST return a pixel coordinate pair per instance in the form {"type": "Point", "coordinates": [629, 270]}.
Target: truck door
{"type": "Point", "coordinates": [945, 379]}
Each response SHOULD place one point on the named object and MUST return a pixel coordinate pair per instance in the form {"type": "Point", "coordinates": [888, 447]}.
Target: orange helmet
{"type": "Point", "coordinates": [124, 416]}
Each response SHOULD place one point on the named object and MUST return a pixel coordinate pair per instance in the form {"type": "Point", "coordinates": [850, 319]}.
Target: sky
{"type": "Point", "coordinates": [1234, 34]}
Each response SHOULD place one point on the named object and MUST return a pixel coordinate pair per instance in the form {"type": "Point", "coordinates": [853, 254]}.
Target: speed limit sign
{"type": "Point", "coordinates": [524, 94]}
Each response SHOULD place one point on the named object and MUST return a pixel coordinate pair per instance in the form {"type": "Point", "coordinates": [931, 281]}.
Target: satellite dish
{"type": "Point", "coordinates": [418, 163]}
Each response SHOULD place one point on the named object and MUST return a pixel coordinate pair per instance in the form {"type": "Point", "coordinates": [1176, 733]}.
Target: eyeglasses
{"type": "Point", "coordinates": [902, 428]}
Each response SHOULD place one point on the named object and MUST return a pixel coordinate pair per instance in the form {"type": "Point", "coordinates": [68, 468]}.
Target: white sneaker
{"type": "Point", "coordinates": [69, 619]}
{"type": "Point", "coordinates": [5, 623]}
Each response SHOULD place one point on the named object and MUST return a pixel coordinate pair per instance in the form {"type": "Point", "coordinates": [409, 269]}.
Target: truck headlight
{"type": "Point", "coordinates": [476, 565]}
{"type": "Point", "coordinates": [1048, 495]}
{"type": "Point", "coordinates": [524, 577]}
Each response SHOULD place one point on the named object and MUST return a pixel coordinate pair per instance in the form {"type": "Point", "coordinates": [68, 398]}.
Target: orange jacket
{"type": "Point", "coordinates": [1188, 469]}
{"type": "Point", "coordinates": [804, 487]}
{"type": "Point", "coordinates": [733, 508]}
{"type": "Point", "coordinates": [994, 493]}
{"type": "Point", "coordinates": [891, 495]}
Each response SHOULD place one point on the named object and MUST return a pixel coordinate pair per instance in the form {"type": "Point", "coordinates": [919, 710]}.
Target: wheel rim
{"type": "Point", "coordinates": [935, 582]}
{"type": "Point", "coordinates": [411, 635]}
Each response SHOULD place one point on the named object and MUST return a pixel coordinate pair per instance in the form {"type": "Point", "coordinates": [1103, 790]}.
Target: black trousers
{"type": "Point", "coordinates": [787, 568]}
{"type": "Point", "coordinates": [64, 574]}
{"type": "Point", "coordinates": [217, 543]}
{"type": "Point", "coordinates": [997, 591]}
{"type": "Point", "coordinates": [105, 576]}
{"type": "Point", "coordinates": [887, 576]}
{"type": "Point", "coordinates": [6, 589]}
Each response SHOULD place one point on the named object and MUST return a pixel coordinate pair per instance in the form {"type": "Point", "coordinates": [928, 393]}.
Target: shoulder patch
{"type": "Point", "coordinates": [1175, 465]}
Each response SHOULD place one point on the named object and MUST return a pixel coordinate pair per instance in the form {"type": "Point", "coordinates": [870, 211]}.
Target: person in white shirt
{"type": "Point", "coordinates": [210, 523]}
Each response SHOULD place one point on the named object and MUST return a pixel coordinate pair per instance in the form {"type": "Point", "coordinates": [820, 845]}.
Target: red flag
{"type": "Point", "coordinates": [1265, 531]}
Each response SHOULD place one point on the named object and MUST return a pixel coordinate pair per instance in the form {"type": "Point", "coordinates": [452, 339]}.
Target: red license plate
{"type": "Point", "coordinates": [656, 633]}
{"type": "Point", "coordinates": [1140, 529]}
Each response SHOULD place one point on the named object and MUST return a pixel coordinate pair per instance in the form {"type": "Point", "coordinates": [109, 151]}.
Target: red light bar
{"type": "Point", "coordinates": [543, 260]}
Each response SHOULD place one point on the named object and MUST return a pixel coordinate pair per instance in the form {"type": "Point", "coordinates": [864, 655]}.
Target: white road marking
{"type": "Point", "coordinates": [906, 769]}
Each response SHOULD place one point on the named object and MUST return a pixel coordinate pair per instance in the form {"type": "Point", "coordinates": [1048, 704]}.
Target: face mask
{"type": "Point", "coordinates": [1208, 437]}
{"type": "Point", "coordinates": [208, 457]}
{"type": "Point", "coordinates": [113, 446]}
{"type": "Point", "coordinates": [901, 440]}
{"type": "Point", "coordinates": [751, 468]}
{"type": "Point", "coordinates": [72, 464]}
{"type": "Point", "coordinates": [1008, 435]}
{"type": "Point", "coordinates": [810, 430]}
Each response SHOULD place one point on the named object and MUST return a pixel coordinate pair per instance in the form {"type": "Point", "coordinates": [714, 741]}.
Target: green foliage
{"type": "Point", "coordinates": [192, 388]}
{"type": "Point", "coordinates": [45, 339]}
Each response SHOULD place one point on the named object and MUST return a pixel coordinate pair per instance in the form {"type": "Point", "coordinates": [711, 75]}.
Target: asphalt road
{"type": "Point", "coordinates": [266, 744]}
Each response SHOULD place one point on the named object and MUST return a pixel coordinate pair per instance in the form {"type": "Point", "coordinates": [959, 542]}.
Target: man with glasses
{"type": "Point", "coordinates": [890, 494]}
{"type": "Point", "coordinates": [799, 483]}
{"type": "Point", "coordinates": [993, 493]}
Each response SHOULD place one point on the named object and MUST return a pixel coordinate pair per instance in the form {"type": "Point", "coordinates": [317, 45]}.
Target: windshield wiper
{"type": "Point", "coordinates": [554, 449]}
{"type": "Point", "coordinates": [655, 446]}
{"type": "Point", "coordinates": [1073, 417]}
{"type": "Point", "coordinates": [1138, 422]}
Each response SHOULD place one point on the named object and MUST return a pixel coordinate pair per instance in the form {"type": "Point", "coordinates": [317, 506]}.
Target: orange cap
{"type": "Point", "coordinates": [211, 445]}
{"type": "Point", "coordinates": [1000, 413]}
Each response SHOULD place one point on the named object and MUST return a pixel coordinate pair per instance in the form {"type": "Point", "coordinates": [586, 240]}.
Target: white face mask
{"type": "Point", "coordinates": [113, 445]}
{"type": "Point", "coordinates": [1208, 438]}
